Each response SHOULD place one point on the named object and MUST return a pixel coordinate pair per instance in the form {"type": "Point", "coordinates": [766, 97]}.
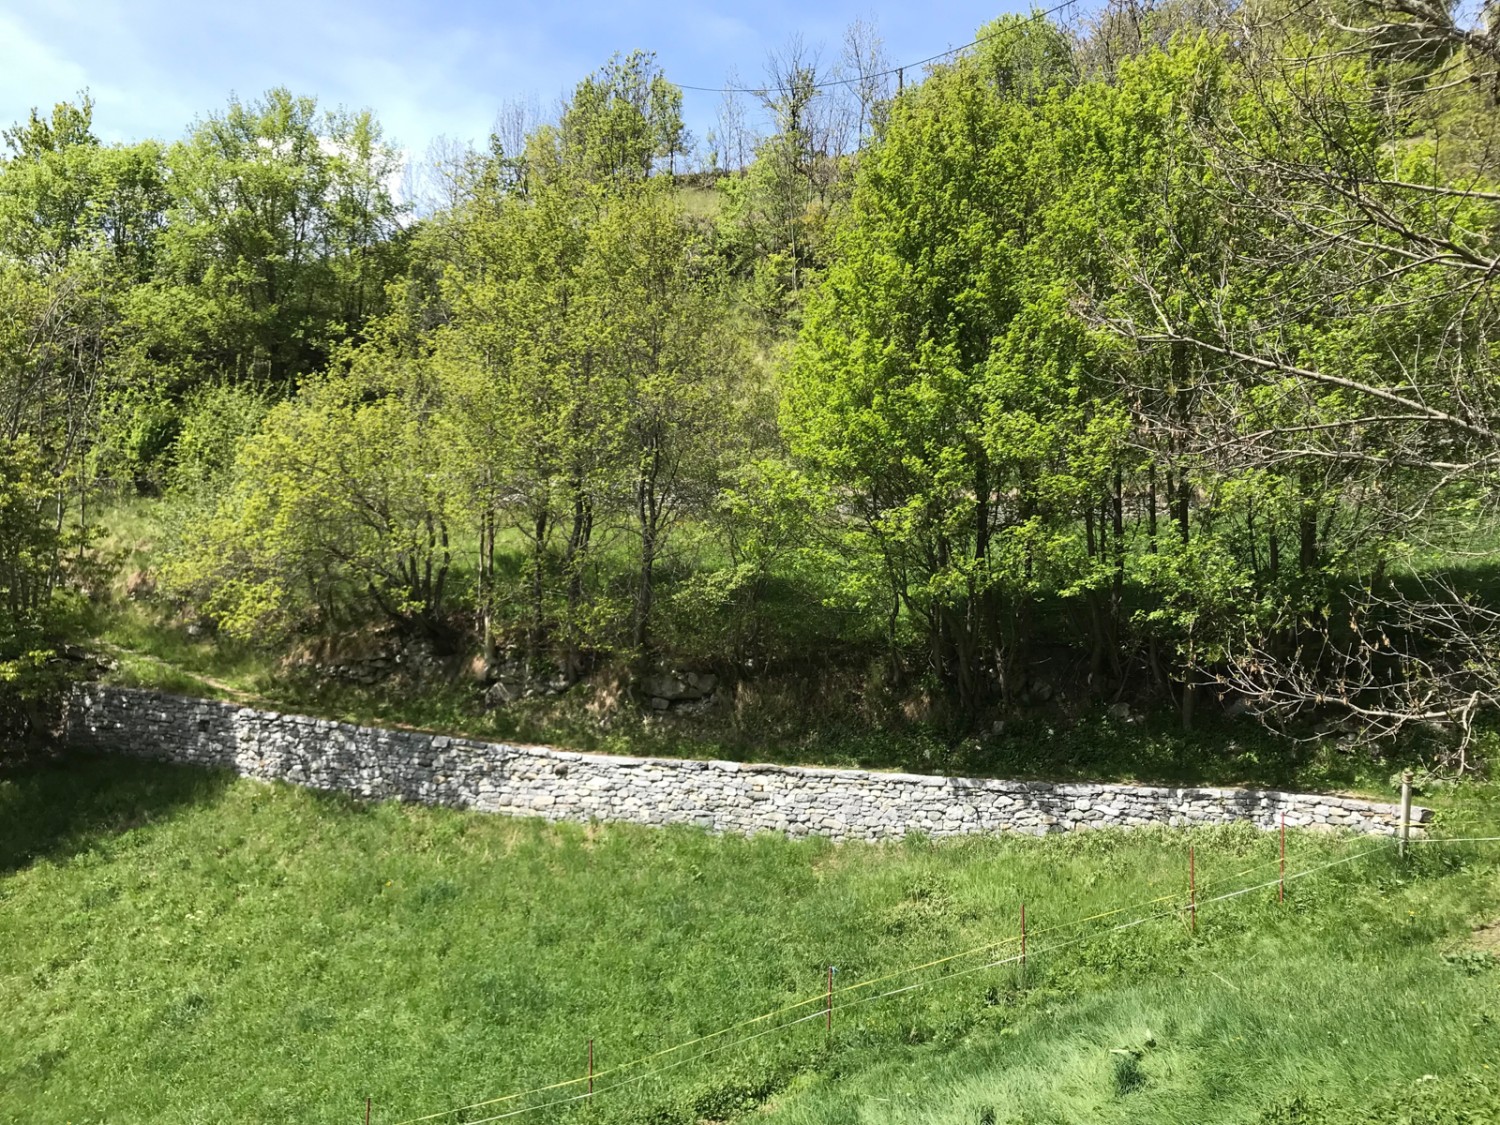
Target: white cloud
{"type": "Point", "coordinates": [34, 74]}
{"type": "Point", "coordinates": [155, 65]}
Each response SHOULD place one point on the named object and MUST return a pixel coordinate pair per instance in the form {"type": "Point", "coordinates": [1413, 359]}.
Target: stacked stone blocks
{"type": "Point", "coordinates": [379, 764]}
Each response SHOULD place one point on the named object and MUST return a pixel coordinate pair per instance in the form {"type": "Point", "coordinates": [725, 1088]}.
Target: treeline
{"type": "Point", "coordinates": [1159, 353]}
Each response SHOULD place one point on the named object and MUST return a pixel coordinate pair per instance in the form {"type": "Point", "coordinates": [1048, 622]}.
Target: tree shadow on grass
{"type": "Point", "coordinates": [61, 806]}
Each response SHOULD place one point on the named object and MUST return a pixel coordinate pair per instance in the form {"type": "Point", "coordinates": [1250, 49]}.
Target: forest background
{"type": "Point", "coordinates": [1139, 370]}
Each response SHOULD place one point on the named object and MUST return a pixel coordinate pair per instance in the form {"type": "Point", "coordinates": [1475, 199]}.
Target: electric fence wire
{"type": "Point", "coordinates": [818, 998]}
{"type": "Point", "coordinates": [944, 978]}
{"type": "Point", "coordinates": [906, 971]}
{"type": "Point", "coordinates": [635, 1079]}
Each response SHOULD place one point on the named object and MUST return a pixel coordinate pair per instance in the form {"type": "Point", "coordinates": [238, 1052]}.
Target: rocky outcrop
{"type": "Point", "coordinates": [718, 796]}
{"type": "Point", "coordinates": [514, 678]}
{"type": "Point", "coordinates": [369, 658]}
{"type": "Point", "coordinates": [668, 690]}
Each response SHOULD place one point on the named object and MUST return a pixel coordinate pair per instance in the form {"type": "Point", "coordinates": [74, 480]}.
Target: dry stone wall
{"type": "Point", "coordinates": [719, 796]}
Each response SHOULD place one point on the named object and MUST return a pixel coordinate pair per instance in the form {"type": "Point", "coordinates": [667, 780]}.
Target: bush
{"type": "Point", "coordinates": [337, 514]}
{"type": "Point", "coordinates": [215, 420]}
{"type": "Point", "coordinates": [36, 618]}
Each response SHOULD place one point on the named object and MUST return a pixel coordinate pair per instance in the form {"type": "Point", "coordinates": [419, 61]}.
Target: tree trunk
{"type": "Point", "coordinates": [487, 585]}
{"type": "Point", "coordinates": [580, 536]}
{"type": "Point", "coordinates": [1307, 525]}
{"type": "Point", "coordinates": [1151, 510]}
{"type": "Point", "coordinates": [534, 634]}
{"type": "Point", "coordinates": [1096, 611]}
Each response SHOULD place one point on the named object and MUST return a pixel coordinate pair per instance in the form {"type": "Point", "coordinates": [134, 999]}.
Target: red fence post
{"type": "Point", "coordinates": [591, 1068]}
{"type": "Point", "coordinates": [367, 1109]}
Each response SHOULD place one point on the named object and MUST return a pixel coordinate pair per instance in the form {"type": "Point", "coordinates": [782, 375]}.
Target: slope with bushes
{"type": "Point", "coordinates": [1145, 364]}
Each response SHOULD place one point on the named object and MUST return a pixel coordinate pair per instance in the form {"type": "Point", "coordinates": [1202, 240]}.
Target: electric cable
{"type": "Point", "coordinates": [906, 971]}
{"type": "Point", "coordinates": [830, 83]}
{"type": "Point", "coordinates": [1159, 915]}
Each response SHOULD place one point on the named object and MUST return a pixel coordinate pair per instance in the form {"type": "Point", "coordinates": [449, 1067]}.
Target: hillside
{"type": "Point", "coordinates": [1072, 374]}
{"type": "Point", "coordinates": [179, 946]}
{"type": "Point", "coordinates": [1114, 397]}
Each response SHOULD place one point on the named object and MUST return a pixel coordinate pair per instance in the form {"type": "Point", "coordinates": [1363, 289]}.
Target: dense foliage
{"type": "Point", "coordinates": [1149, 361]}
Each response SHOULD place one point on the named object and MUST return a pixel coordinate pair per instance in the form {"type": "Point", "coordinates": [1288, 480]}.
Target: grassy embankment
{"type": "Point", "coordinates": [787, 720]}
{"type": "Point", "coordinates": [177, 946]}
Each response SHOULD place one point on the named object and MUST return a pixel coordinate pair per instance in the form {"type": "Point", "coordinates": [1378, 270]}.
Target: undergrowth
{"type": "Point", "coordinates": [831, 712]}
{"type": "Point", "coordinates": [789, 721]}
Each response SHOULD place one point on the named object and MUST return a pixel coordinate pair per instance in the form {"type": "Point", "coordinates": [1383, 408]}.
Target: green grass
{"type": "Point", "coordinates": [821, 716]}
{"type": "Point", "coordinates": [153, 651]}
{"type": "Point", "coordinates": [786, 723]}
{"type": "Point", "coordinates": [179, 946]}
{"type": "Point", "coordinates": [701, 202]}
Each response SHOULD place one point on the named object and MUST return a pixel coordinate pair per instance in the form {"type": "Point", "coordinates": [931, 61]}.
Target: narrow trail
{"type": "Point", "coordinates": [236, 694]}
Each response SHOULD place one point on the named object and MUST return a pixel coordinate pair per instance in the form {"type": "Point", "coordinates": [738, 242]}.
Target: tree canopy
{"type": "Point", "coordinates": [1157, 354]}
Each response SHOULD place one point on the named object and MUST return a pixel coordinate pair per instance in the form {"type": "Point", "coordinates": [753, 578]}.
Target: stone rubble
{"type": "Point", "coordinates": [840, 804]}
{"type": "Point", "coordinates": [679, 690]}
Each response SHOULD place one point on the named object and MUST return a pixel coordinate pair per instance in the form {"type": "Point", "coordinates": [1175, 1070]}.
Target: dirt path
{"type": "Point", "coordinates": [1487, 938]}
{"type": "Point", "coordinates": [227, 689]}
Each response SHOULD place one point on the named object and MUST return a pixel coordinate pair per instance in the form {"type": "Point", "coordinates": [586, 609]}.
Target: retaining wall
{"type": "Point", "coordinates": [720, 796]}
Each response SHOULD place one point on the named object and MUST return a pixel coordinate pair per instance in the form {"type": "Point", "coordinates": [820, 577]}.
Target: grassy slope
{"type": "Point", "coordinates": [154, 652]}
{"type": "Point", "coordinates": [783, 722]}
{"type": "Point", "coordinates": [178, 946]}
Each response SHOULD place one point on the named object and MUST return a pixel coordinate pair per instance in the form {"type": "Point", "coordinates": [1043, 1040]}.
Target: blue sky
{"type": "Point", "coordinates": [154, 65]}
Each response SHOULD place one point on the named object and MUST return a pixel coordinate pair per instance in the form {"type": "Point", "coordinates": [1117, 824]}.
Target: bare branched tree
{"type": "Point", "coordinates": [734, 139]}
{"type": "Point", "coordinates": [515, 120]}
{"type": "Point", "coordinates": [866, 69]}
{"type": "Point", "coordinates": [1342, 334]}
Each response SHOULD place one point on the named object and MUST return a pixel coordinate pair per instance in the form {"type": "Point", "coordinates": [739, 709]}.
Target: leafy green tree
{"type": "Point", "coordinates": [37, 618]}
{"type": "Point", "coordinates": [61, 192]}
{"type": "Point", "coordinates": [536, 417]}
{"type": "Point", "coordinates": [48, 185]}
{"type": "Point", "coordinates": [661, 325]}
{"type": "Point", "coordinates": [280, 238]}
{"type": "Point", "coordinates": [589, 377]}
{"type": "Point", "coordinates": [336, 516]}
{"type": "Point", "coordinates": [1130, 198]}
{"type": "Point", "coordinates": [1351, 358]}
{"type": "Point", "coordinates": [915, 392]}
{"type": "Point", "coordinates": [624, 122]}
{"type": "Point", "coordinates": [71, 232]}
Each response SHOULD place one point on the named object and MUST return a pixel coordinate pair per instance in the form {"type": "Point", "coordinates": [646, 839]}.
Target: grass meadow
{"type": "Point", "coordinates": [180, 946]}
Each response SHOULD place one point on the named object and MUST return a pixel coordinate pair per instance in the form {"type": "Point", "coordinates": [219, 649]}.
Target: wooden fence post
{"type": "Point", "coordinates": [1192, 891]}
{"type": "Point", "coordinates": [828, 1029]}
{"type": "Point", "coordinates": [1023, 945]}
{"type": "Point", "coordinates": [1405, 811]}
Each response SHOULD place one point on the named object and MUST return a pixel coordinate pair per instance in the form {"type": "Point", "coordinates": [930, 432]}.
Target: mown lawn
{"type": "Point", "coordinates": [178, 946]}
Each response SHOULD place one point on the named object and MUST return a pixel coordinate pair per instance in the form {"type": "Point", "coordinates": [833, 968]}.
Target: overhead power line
{"type": "Point", "coordinates": [760, 91]}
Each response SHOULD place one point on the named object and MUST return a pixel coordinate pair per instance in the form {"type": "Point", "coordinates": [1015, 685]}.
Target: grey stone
{"type": "Point", "coordinates": [718, 796]}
